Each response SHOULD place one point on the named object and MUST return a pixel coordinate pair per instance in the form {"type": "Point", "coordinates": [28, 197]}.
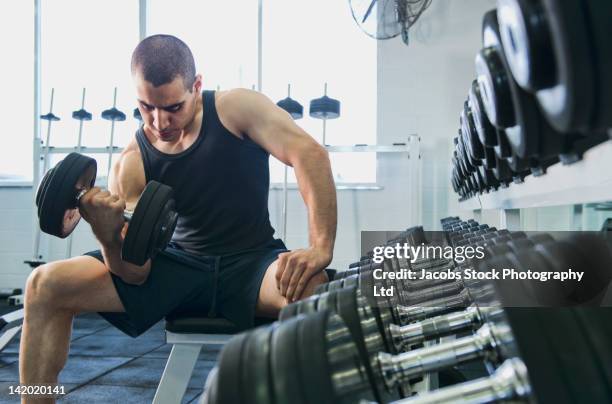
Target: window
{"type": "Point", "coordinates": [89, 48]}
{"type": "Point", "coordinates": [17, 101]}
{"type": "Point", "coordinates": [310, 43]}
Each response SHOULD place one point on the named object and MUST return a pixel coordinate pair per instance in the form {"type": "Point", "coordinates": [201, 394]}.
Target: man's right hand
{"type": "Point", "coordinates": [104, 212]}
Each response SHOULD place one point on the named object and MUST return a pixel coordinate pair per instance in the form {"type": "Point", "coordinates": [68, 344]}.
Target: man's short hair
{"type": "Point", "coordinates": [161, 58]}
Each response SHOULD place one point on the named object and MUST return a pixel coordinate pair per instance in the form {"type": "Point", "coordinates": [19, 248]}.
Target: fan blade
{"type": "Point", "coordinates": [367, 14]}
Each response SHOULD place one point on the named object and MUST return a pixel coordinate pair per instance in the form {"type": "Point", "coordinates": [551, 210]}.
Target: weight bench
{"type": "Point", "coordinates": [188, 333]}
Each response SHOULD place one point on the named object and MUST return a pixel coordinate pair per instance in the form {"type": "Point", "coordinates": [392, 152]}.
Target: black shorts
{"type": "Point", "coordinates": [180, 282]}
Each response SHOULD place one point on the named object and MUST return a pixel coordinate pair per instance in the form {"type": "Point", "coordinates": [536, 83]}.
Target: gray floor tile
{"type": "Point", "coordinates": [78, 369]}
{"type": "Point", "coordinates": [157, 334]}
{"type": "Point", "coordinates": [94, 394]}
{"type": "Point", "coordinates": [104, 345]}
{"type": "Point", "coordinates": [209, 352]}
{"type": "Point", "coordinates": [146, 372]}
{"type": "Point", "coordinates": [8, 358]}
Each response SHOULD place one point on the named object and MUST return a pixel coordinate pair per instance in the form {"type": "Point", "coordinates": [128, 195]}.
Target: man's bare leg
{"type": "Point", "coordinates": [55, 292]}
{"type": "Point", "coordinates": [270, 300]}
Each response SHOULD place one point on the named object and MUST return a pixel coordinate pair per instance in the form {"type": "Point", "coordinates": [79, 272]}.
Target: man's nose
{"type": "Point", "coordinates": [161, 119]}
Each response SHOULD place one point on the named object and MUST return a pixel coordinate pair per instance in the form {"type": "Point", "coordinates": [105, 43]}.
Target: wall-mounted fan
{"type": "Point", "coordinates": [385, 19]}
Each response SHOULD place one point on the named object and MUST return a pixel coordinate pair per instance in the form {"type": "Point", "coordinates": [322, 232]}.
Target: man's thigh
{"type": "Point", "coordinates": [80, 284]}
{"type": "Point", "coordinates": [270, 301]}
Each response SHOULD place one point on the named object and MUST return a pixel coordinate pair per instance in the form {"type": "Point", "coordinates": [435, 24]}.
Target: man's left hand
{"type": "Point", "coordinates": [295, 268]}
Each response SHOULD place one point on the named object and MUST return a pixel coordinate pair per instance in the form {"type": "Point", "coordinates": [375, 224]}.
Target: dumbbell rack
{"type": "Point", "coordinates": [587, 181]}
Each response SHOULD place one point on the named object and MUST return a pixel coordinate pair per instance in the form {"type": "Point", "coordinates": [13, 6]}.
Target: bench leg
{"type": "Point", "coordinates": [177, 373]}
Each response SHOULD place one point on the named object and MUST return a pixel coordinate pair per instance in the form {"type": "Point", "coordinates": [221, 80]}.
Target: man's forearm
{"type": "Point", "coordinates": [314, 175]}
{"type": "Point", "coordinates": [129, 273]}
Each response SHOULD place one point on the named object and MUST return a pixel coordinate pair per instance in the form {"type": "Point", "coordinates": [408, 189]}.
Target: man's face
{"type": "Point", "coordinates": [168, 109]}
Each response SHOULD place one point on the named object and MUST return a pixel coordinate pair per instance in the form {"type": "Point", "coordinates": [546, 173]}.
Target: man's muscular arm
{"type": "Point", "coordinates": [104, 212]}
{"type": "Point", "coordinates": [272, 128]}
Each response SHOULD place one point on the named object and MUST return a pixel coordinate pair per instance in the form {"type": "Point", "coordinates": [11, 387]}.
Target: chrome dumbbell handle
{"type": "Point", "coordinates": [127, 214]}
{"type": "Point", "coordinates": [398, 369]}
{"type": "Point", "coordinates": [408, 314]}
{"type": "Point", "coordinates": [431, 293]}
{"type": "Point", "coordinates": [509, 382]}
{"type": "Point", "coordinates": [405, 336]}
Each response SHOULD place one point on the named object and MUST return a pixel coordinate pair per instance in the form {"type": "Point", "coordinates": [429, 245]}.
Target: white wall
{"type": "Point", "coordinates": [422, 88]}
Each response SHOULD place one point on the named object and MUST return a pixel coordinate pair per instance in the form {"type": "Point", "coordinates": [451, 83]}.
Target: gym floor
{"type": "Point", "coordinates": [107, 366]}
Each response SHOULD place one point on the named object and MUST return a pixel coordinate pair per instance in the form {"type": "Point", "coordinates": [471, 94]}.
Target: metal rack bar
{"type": "Point", "coordinates": [589, 180]}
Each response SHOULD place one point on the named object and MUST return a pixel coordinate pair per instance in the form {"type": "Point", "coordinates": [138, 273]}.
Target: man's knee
{"type": "Point", "coordinates": [316, 280]}
{"type": "Point", "coordinates": [43, 286]}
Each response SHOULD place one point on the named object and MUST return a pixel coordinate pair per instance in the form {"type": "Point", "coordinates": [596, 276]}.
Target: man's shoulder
{"type": "Point", "coordinates": [234, 107]}
{"type": "Point", "coordinates": [235, 98]}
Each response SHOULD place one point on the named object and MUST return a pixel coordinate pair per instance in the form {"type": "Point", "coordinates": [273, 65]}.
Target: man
{"type": "Point", "coordinates": [212, 148]}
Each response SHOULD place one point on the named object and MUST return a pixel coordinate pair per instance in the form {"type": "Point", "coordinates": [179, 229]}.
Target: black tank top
{"type": "Point", "coordinates": [220, 185]}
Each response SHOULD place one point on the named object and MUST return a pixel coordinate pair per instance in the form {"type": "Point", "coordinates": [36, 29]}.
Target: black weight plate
{"type": "Point", "coordinates": [316, 374]}
{"type": "Point", "coordinates": [490, 160]}
{"type": "Point", "coordinates": [561, 256]}
{"type": "Point", "coordinates": [139, 238]}
{"type": "Point", "coordinates": [228, 377]}
{"type": "Point", "coordinates": [599, 15]}
{"type": "Point", "coordinates": [490, 30]}
{"type": "Point", "coordinates": [541, 238]}
{"type": "Point", "coordinates": [346, 307]}
{"type": "Point", "coordinates": [286, 376]}
{"type": "Point", "coordinates": [335, 285]}
{"type": "Point", "coordinates": [593, 251]}
{"type": "Point", "coordinates": [49, 213]}
{"type": "Point", "coordinates": [527, 43]}
{"type": "Point", "coordinates": [476, 145]}
{"type": "Point", "coordinates": [502, 171]}
{"type": "Point", "coordinates": [209, 396]}
{"type": "Point", "coordinates": [520, 244]}
{"type": "Point", "coordinates": [289, 311]}
{"type": "Point", "coordinates": [162, 212]}
{"type": "Point", "coordinates": [163, 230]}
{"type": "Point", "coordinates": [41, 187]}
{"type": "Point", "coordinates": [256, 375]}
{"type": "Point", "coordinates": [549, 294]}
{"type": "Point", "coordinates": [568, 106]}
{"type": "Point", "coordinates": [327, 301]}
{"type": "Point", "coordinates": [308, 305]}
{"type": "Point", "coordinates": [597, 327]}
{"type": "Point", "coordinates": [59, 214]}
{"type": "Point", "coordinates": [351, 281]}
{"type": "Point", "coordinates": [493, 81]}
{"type": "Point", "coordinates": [529, 136]}
{"type": "Point", "coordinates": [502, 150]}
{"type": "Point", "coordinates": [134, 238]}
{"type": "Point", "coordinates": [484, 128]}
{"type": "Point", "coordinates": [572, 369]}
{"type": "Point", "coordinates": [322, 288]}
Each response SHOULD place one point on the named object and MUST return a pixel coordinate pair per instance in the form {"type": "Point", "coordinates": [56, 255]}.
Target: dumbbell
{"type": "Point", "coordinates": [509, 382]}
{"type": "Point", "coordinates": [389, 372]}
{"type": "Point", "coordinates": [528, 133]}
{"type": "Point", "coordinates": [373, 328]}
{"type": "Point", "coordinates": [560, 52]}
{"type": "Point", "coordinates": [151, 224]}
{"type": "Point", "coordinates": [394, 330]}
{"type": "Point", "coordinates": [308, 359]}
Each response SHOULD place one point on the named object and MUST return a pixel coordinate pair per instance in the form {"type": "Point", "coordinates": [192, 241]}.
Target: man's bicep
{"type": "Point", "coordinates": [126, 180]}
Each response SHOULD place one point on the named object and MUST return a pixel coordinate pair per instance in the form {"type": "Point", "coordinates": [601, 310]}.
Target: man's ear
{"type": "Point", "coordinates": [197, 84]}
